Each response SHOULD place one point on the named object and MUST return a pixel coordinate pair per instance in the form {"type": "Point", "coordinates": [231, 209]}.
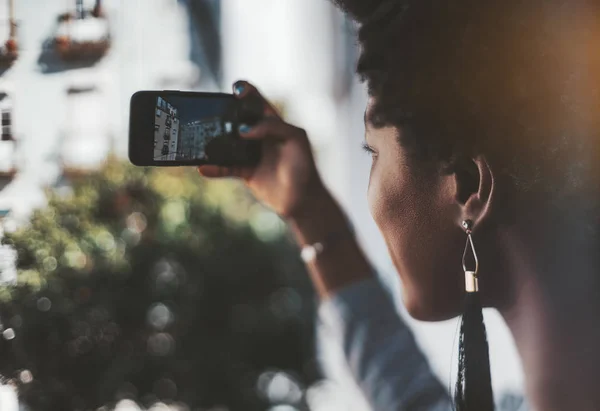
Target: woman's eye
{"type": "Point", "coordinates": [369, 150]}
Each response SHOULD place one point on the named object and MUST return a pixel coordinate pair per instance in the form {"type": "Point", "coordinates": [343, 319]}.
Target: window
{"type": "Point", "coordinates": [80, 9]}
{"type": "Point", "coordinates": [6, 126]}
{"type": "Point", "coordinates": [6, 118]}
{"type": "Point", "coordinates": [6, 133]}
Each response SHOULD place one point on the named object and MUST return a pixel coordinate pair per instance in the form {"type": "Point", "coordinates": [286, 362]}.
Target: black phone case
{"type": "Point", "coordinates": [228, 150]}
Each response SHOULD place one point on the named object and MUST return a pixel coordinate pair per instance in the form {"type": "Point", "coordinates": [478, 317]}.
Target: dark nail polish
{"type": "Point", "coordinates": [238, 89]}
{"type": "Point", "coordinates": [244, 128]}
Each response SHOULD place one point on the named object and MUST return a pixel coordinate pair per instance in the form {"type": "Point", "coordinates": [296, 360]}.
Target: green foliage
{"type": "Point", "coordinates": [153, 284]}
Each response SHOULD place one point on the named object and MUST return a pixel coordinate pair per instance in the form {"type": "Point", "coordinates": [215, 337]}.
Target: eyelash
{"type": "Point", "coordinates": [368, 149]}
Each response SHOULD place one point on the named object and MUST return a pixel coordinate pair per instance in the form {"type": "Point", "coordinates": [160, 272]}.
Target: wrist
{"type": "Point", "coordinates": [315, 197]}
{"type": "Point", "coordinates": [327, 241]}
{"type": "Point", "coordinates": [319, 218]}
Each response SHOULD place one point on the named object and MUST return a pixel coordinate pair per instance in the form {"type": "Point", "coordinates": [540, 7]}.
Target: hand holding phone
{"type": "Point", "coordinates": [286, 177]}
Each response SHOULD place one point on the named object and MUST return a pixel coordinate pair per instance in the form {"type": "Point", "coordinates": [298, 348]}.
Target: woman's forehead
{"type": "Point", "coordinates": [370, 103]}
{"type": "Point", "coordinates": [369, 109]}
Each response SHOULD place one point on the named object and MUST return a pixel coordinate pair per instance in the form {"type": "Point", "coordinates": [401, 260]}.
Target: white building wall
{"type": "Point", "coordinates": [285, 47]}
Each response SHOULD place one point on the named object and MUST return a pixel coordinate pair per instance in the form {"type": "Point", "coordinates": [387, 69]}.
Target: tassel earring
{"type": "Point", "coordinates": [473, 384]}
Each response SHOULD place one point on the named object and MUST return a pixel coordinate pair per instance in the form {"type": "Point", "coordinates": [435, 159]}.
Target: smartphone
{"type": "Point", "coordinates": [176, 128]}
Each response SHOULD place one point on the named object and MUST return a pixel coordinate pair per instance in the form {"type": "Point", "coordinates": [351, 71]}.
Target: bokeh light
{"type": "Point", "coordinates": [105, 240]}
{"type": "Point", "coordinates": [50, 264]}
{"type": "Point", "coordinates": [127, 405]}
{"type": "Point", "coordinates": [283, 407]}
{"type": "Point", "coordinates": [74, 257]}
{"type": "Point", "coordinates": [168, 276]}
{"type": "Point", "coordinates": [173, 214]}
{"type": "Point", "coordinates": [26, 376]}
{"type": "Point", "coordinates": [44, 304]}
{"type": "Point", "coordinates": [127, 391]}
{"type": "Point", "coordinates": [159, 406]}
{"type": "Point", "coordinates": [159, 316]}
{"type": "Point", "coordinates": [137, 222]}
{"type": "Point", "coordinates": [279, 387]}
{"type": "Point", "coordinates": [266, 224]}
{"type": "Point", "coordinates": [8, 334]}
{"type": "Point", "coordinates": [161, 344]}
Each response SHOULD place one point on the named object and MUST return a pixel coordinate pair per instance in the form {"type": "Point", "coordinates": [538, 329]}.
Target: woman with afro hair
{"type": "Point", "coordinates": [483, 124]}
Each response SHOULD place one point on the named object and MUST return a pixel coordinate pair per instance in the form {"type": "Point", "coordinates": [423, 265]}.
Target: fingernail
{"type": "Point", "coordinates": [238, 88]}
{"type": "Point", "coordinates": [244, 128]}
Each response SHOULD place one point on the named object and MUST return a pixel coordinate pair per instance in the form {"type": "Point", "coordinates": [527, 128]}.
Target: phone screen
{"type": "Point", "coordinates": [185, 128]}
{"type": "Point", "coordinates": [188, 128]}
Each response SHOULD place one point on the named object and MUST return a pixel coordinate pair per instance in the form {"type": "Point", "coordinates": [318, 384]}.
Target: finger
{"type": "Point", "coordinates": [213, 171]}
{"type": "Point", "coordinates": [270, 129]}
{"type": "Point", "coordinates": [243, 89]}
{"type": "Point", "coordinates": [244, 173]}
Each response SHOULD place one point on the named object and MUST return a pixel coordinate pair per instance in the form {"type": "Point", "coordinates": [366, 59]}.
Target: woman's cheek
{"type": "Point", "coordinates": [378, 200]}
{"type": "Point", "coordinates": [372, 195]}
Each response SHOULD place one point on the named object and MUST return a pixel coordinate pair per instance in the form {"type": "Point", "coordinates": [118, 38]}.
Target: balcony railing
{"type": "Point", "coordinates": [82, 38]}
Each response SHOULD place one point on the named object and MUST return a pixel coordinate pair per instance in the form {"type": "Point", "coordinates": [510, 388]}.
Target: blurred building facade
{"type": "Point", "coordinates": [7, 143]}
{"type": "Point", "coordinates": [166, 131]}
{"type": "Point", "coordinates": [300, 53]}
{"type": "Point", "coordinates": [196, 135]}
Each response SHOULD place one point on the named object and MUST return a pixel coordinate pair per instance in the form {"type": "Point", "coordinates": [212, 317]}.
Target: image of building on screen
{"type": "Point", "coordinates": [196, 135]}
{"type": "Point", "coordinates": [190, 128]}
{"type": "Point", "coordinates": [166, 131]}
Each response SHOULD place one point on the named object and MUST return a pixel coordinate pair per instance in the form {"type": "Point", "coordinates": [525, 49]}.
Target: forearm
{"type": "Point", "coordinates": [343, 263]}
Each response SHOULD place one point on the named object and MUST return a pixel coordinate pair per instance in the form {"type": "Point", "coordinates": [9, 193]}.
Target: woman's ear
{"type": "Point", "coordinates": [474, 181]}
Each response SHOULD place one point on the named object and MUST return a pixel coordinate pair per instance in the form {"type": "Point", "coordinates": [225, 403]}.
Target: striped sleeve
{"type": "Point", "coordinates": [380, 349]}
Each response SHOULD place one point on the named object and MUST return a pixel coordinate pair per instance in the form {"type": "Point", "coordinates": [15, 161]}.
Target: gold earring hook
{"type": "Point", "coordinates": [471, 283]}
